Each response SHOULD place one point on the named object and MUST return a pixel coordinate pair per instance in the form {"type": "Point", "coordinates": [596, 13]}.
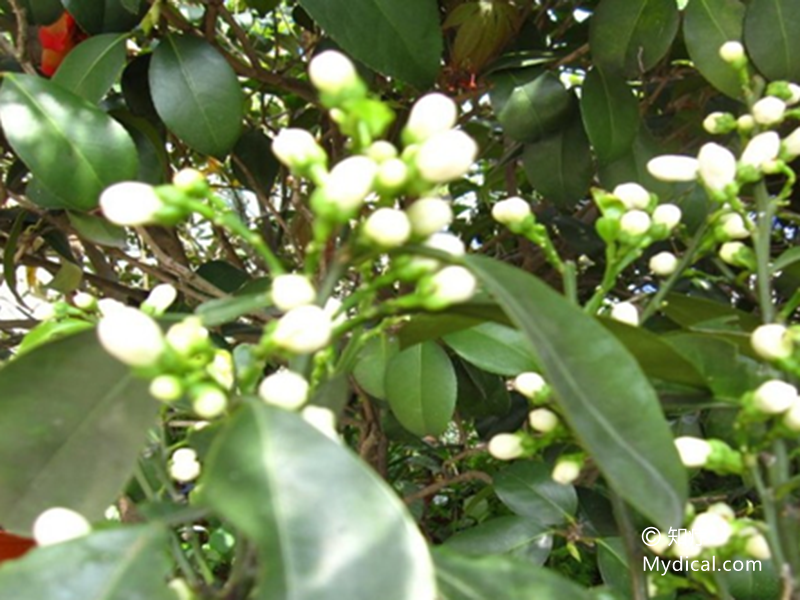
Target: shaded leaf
{"type": "Point", "coordinates": [528, 489]}
{"type": "Point", "coordinates": [92, 67]}
{"type": "Point", "coordinates": [42, 12]}
{"type": "Point", "coordinates": [521, 537]}
{"type": "Point", "coordinates": [254, 164]}
{"type": "Point", "coordinates": [610, 114]}
{"type": "Point", "coordinates": [494, 348]}
{"type": "Point", "coordinates": [772, 37]}
{"type": "Point", "coordinates": [103, 16]}
{"type": "Point", "coordinates": [98, 230]}
{"type": "Point", "coordinates": [372, 362]}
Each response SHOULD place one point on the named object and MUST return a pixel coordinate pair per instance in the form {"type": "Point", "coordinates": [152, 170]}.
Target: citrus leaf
{"type": "Point", "coordinates": [772, 36]}
{"type": "Point", "coordinates": [93, 66]}
{"type": "Point", "coordinates": [610, 114]}
{"type": "Point", "coordinates": [42, 12]}
{"type": "Point", "coordinates": [528, 489]}
{"type": "Point", "coordinates": [370, 368]}
{"type": "Point", "coordinates": [521, 537]}
{"type": "Point", "coordinates": [494, 348]}
{"type": "Point", "coordinates": [102, 16]}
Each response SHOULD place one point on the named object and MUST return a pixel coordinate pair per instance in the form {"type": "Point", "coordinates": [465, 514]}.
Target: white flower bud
{"type": "Point", "coordinates": [769, 110]}
{"type": "Point", "coordinates": [297, 148]}
{"type": "Point", "coordinates": [107, 306]}
{"type": "Point", "coordinates": [771, 342]}
{"type": "Point", "coordinates": [672, 167]}
{"type": "Point", "coordinates": [625, 312]}
{"type": "Point", "coordinates": [794, 91]}
{"type": "Point", "coordinates": [694, 452]}
{"type": "Point", "coordinates": [710, 530]}
{"type": "Point", "coordinates": [221, 369]}
{"type": "Point", "coordinates": [187, 336]}
{"type": "Point", "coordinates": [446, 156]}
{"type": "Point", "coordinates": [731, 52]}
{"type": "Point", "coordinates": [774, 397]}
{"type": "Point", "coordinates": [285, 389]}
{"type": "Point", "coordinates": [635, 223]}
{"type": "Point", "coordinates": [511, 211]}
{"type": "Point", "coordinates": [131, 203]}
{"type": "Point", "coordinates": [712, 122]}
{"type": "Point", "coordinates": [44, 311]}
{"type": "Point", "coordinates": [729, 252]}
{"type": "Point", "coordinates": [723, 510]}
{"type": "Point", "coordinates": [381, 151]}
{"type": "Point", "coordinates": [663, 264]}
{"type": "Point", "coordinates": [392, 174]}
{"type": "Point", "coordinates": [433, 113]}
{"type": "Point", "coordinates": [668, 215]}
{"type": "Point", "coordinates": [210, 402]}
{"type": "Point", "coordinates": [429, 215]}
{"type": "Point", "coordinates": [732, 225]}
{"type": "Point", "coordinates": [451, 285]}
{"type": "Point", "coordinates": [543, 419]}
{"type": "Point", "coordinates": [791, 143]}
{"type": "Point", "coordinates": [717, 166]}
{"type": "Point", "coordinates": [166, 388]}
{"type": "Point", "coordinates": [446, 242]}
{"type": "Point", "coordinates": [184, 455]}
{"type": "Point", "coordinates": [322, 419]}
{"type": "Point", "coordinates": [333, 309]}
{"type": "Point", "coordinates": [56, 525]}
{"type": "Point", "coordinates": [762, 149]}
{"type": "Point", "coordinates": [161, 298]}
{"type": "Point", "coordinates": [686, 547]}
{"type": "Point", "coordinates": [131, 337]}
{"type": "Point", "coordinates": [303, 330]}
{"type": "Point", "coordinates": [529, 384]}
{"type": "Point", "coordinates": [349, 182]}
{"type": "Point", "coordinates": [185, 467]}
{"type": "Point", "coordinates": [791, 418]}
{"type": "Point", "coordinates": [292, 290]}
{"type": "Point", "coordinates": [84, 301]}
{"type": "Point", "coordinates": [566, 472]}
{"type": "Point", "coordinates": [632, 195]}
{"type": "Point", "coordinates": [506, 446]}
{"type": "Point", "coordinates": [758, 547]}
{"type": "Point", "coordinates": [387, 228]}
{"type": "Point", "coordinates": [745, 123]}
{"type": "Point", "coordinates": [189, 180]}
{"type": "Point", "coordinates": [332, 72]}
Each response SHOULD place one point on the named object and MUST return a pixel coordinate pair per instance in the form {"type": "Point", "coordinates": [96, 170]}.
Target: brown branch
{"type": "Point", "coordinates": [21, 40]}
{"type": "Point", "coordinates": [440, 485]}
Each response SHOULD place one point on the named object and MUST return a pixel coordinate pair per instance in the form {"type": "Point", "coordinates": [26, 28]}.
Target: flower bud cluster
{"type": "Point", "coordinates": [133, 203]}
{"type": "Point", "coordinates": [184, 466]}
{"type": "Point", "coordinates": [632, 216]}
{"type": "Point", "coordinates": [714, 455]}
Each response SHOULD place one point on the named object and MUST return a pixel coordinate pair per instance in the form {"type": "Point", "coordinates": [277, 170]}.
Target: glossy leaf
{"type": "Point", "coordinates": [707, 25]}
{"type": "Point", "coordinates": [494, 348]}
{"type": "Point", "coordinates": [267, 474]}
{"type": "Point", "coordinates": [559, 167]}
{"type": "Point", "coordinates": [528, 489]}
{"type": "Point", "coordinates": [524, 538]}
{"type": "Point", "coordinates": [98, 230]}
{"type": "Point", "coordinates": [93, 66]}
{"type": "Point", "coordinates": [73, 149]}
{"type": "Point", "coordinates": [372, 362]}
{"type": "Point", "coordinates": [399, 39]}
{"type": "Point", "coordinates": [610, 114]}
{"type": "Point", "coordinates": [426, 327]}
{"type": "Point", "coordinates": [480, 394]}
{"type": "Point", "coordinates": [102, 16]}
{"type": "Point", "coordinates": [613, 565]}
{"type": "Point", "coordinates": [42, 12]}
{"type": "Point", "coordinates": [197, 94]}
{"type": "Point", "coordinates": [499, 578]}
{"type": "Point", "coordinates": [772, 37]}
{"type": "Point", "coordinates": [71, 438]}
{"type": "Point", "coordinates": [689, 311]}
{"type": "Point", "coordinates": [127, 563]}
{"type": "Point", "coordinates": [529, 103]}
{"type": "Point", "coordinates": [605, 398]}
{"type": "Point", "coordinates": [421, 388]}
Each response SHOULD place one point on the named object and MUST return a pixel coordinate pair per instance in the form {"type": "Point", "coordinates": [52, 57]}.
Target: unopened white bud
{"type": "Point", "coordinates": [772, 342]}
{"type": "Point", "coordinates": [794, 94]}
{"type": "Point", "coordinates": [332, 72]}
{"type": "Point", "coordinates": [209, 402]}
{"type": "Point", "coordinates": [543, 419]}
{"type": "Point", "coordinates": [529, 384]}
{"type": "Point", "coordinates": [732, 52]}
{"type": "Point", "coordinates": [446, 156]}
{"type": "Point", "coordinates": [663, 264]}
{"type": "Point", "coordinates": [625, 312]}
{"type": "Point", "coordinates": [184, 466]}
{"type": "Point", "coordinates": [303, 330]}
{"type": "Point", "coordinates": [189, 180]}
{"type": "Point", "coordinates": [566, 472]}
{"type": "Point", "coordinates": [188, 336]}
{"type": "Point", "coordinates": [387, 228]}
{"type": "Point", "coordinates": [733, 226]}
{"type": "Point", "coordinates": [107, 306]}
{"type": "Point", "coordinates": [668, 215]}
{"type": "Point", "coordinates": [322, 419]}
{"type": "Point", "coordinates": [758, 547]}
{"type": "Point", "coordinates": [729, 252]}
{"type": "Point", "coordinates": [184, 455]}
{"type": "Point", "coordinates": [161, 298]}
{"type": "Point", "coordinates": [44, 311]}
{"type": "Point", "coordinates": [694, 452]}
{"type": "Point", "coordinates": [451, 285]}
{"type": "Point", "coordinates": [769, 110]}
{"type": "Point", "coordinates": [717, 166]}
{"type": "Point", "coordinates": [166, 388]}
{"type": "Point", "coordinates": [506, 446]}
{"type": "Point", "coordinates": [286, 389]}
{"type": "Point", "coordinates": [433, 113]}
{"type": "Point", "coordinates": [775, 396]}
{"type": "Point", "coordinates": [381, 151]}
{"type": "Point", "coordinates": [791, 417]}
{"type": "Point", "coordinates": [131, 203]}
{"type": "Point", "coordinates": [635, 223]}
{"type": "Point", "coordinates": [349, 182]}
{"type": "Point", "coordinates": [672, 167]}
{"type": "Point", "coordinates": [745, 123]}
{"type": "Point", "coordinates": [712, 123]}
{"type": "Point", "coordinates": [221, 369]}
{"type": "Point", "coordinates": [791, 143]}
{"type": "Point", "coordinates": [511, 211]}
{"type": "Point", "coordinates": [444, 242]}
{"type": "Point", "coordinates": [710, 530]}
{"type": "Point", "coordinates": [297, 148]}
{"type": "Point", "coordinates": [57, 524]}
{"type": "Point", "coordinates": [632, 195]}
{"type": "Point", "coordinates": [762, 149]}
{"type": "Point", "coordinates": [84, 301]}
{"type": "Point", "coordinates": [131, 337]}
{"type": "Point", "coordinates": [392, 174]}
{"type": "Point", "coordinates": [686, 547]}
{"type": "Point", "coordinates": [429, 215]}
{"type": "Point", "coordinates": [722, 509]}
{"type": "Point", "coordinates": [292, 290]}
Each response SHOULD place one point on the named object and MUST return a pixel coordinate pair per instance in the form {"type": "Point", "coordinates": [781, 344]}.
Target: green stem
{"type": "Point", "coordinates": [569, 276]}
{"type": "Point", "coordinates": [613, 269]}
{"type": "Point", "coordinates": [766, 211]}
{"type": "Point", "coordinates": [770, 514]}
{"type": "Point", "coordinates": [630, 538]}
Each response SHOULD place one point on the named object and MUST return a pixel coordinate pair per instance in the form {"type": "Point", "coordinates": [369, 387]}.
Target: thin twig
{"type": "Point", "coordinates": [440, 485]}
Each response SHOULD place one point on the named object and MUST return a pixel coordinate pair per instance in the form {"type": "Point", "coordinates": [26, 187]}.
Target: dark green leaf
{"type": "Point", "coordinates": [98, 231]}
{"type": "Point", "coordinates": [197, 94]}
{"type": "Point", "coordinates": [372, 362]}
{"type": "Point", "coordinates": [267, 474]}
{"type": "Point", "coordinates": [42, 12]}
{"type": "Point", "coordinates": [223, 274]}
{"type": "Point", "coordinates": [254, 164]}
{"type": "Point", "coordinates": [69, 438]}
{"type": "Point", "coordinates": [789, 257]}
{"type": "Point", "coordinates": [398, 39]}
{"type": "Point", "coordinates": [480, 394]}
{"type": "Point", "coordinates": [92, 67]}
{"type": "Point", "coordinates": [427, 327]}
{"type": "Point", "coordinates": [421, 388]}
{"type": "Point", "coordinates": [70, 146]}
{"type": "Point", "coordinates": [524, 538]}
{"type": "Point", "coordinates": [772, 37]}
{"type": "Point", "coordinates": [150, 145]}
{"type": "Point", "coordinates": [528, 489]}
{"type": "Point", "coordinates": [605, 398]}
{"type": "Point", "coordinates": [614, 566]}
{"type": "Point", "coordinates": [262, 6]}
{"type": "Point", "coordinates": [494, 348]}
{"type": "Point", "coordinates": [688, 311]}
{"type": "Point", "coordinates": [102, 16]}
{"type": "Point", "coordinates": [707, 25]}
{"type": "Point", "coordinates": [559, 167]}
{"type": "Point", "coordinates": [631, 36]}
{"type": "Point", "coordinates": [763, 583]}
{"type": "Point", "coordinates": [610, 114]}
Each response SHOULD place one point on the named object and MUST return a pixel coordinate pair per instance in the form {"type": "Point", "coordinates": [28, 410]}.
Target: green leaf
{"type": "Point", "coordinates": [262, 6]}
{"type": "Point", "coordinates": [222, 274]}
{"type": "Point", "coordinates": [103, 16]}
{"type": "Point", "coordinates": [72, 148]}
{"type": "Point", "coordinates": [267, 473]}
{"type": "Point", "coordinates": [426, 327]}
{"type": "Point", "coordinates": [74, 420]}
{"type": "Point", "coordinates": [224, 310]}
{"type": "Point", "coordinates": [48, 331]}
{"type": "Point", "coordinates": [523, 538]}
{"type": "Point", "coordinates": [197, 94]}
{"type": "Point", "coordinates": [372, 362]}
{"type": "Point", "coordinates": [614, 565]}
{"type": "Point", "coordinates": [772, 37]}
{"type": "Point", "coordinates": [604, 396]}
{"type": "Point", "coordinates": [399, 39]}
{"type": "Point", "coordinates": [559, 167]}
{"type": "Point", "coordinates": [689, 311]}
{"type": "Point", "coordinates": [98, 230]}
{"type": "Point", "coordinates": [631, 36]}
{"type": "Point", "coordinates": [421, 388]}
{"type": "Point", "coordinates": [610, 114]}
{"type": "Point", "coordinates": [499, 578]}
{"type": "Point", "coordinates": [528, 489]}
{"type": "Point", "coordinates": [126, 563]}
{"type": "Point", "coordinates": [93, 66]}
{"type": "Point", "coordinates": [480, 394]}
{"type": "Point", "coordinates": [787, 258]}
{"type": "Point", "coordinates": [494, 348]}
{"type": "Point", "coordinates": [529, 103]}
{"type": "Point", "coordinates": [707, 25]}
{"type": "Point", "coordinates": [42, 12]}
{"type": "Point", "coordinates": [254, 164]}
{"type": "Point", "coordinates": [150, 146]}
